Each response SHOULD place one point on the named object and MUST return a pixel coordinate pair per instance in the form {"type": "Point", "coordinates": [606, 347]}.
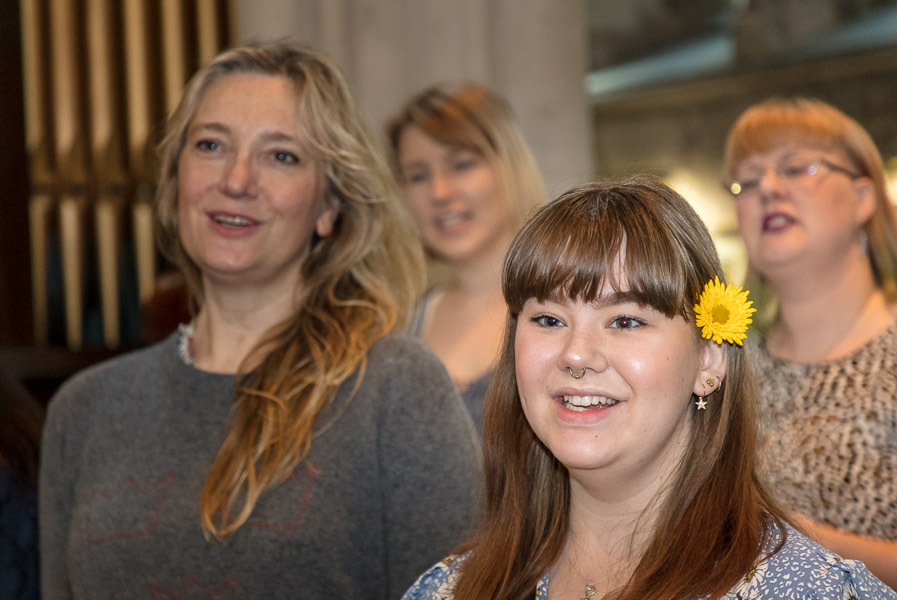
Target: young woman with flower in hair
{"type": "Point", "coordinates": [619, 440]}
{"type": "Point", "coordinates": [287, 442]}
{"type": "Point", "coordinates": [821, 236]}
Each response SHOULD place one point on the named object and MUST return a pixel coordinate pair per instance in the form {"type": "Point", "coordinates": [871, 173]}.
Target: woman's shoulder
{"type": "Point", "coordinates": [438, 582]}
{"type": "Point", "coordinates": [400, 350]}
{"type": "Point", "coordinates": [801, 568]}
{"type": "Point", "coordinates": [125, 371]}
{"type": "Point", "coordinates": [406, 376]}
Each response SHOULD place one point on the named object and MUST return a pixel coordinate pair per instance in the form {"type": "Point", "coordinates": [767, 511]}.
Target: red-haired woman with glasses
{"type": "Point", "coordinates": [821, 235]}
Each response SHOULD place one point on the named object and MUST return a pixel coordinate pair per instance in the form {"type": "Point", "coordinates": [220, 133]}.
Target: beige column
{"type": "Point", "coordinates": [533, 52]}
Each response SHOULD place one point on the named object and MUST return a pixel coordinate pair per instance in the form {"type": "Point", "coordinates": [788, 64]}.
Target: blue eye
{"type": "Point", "coordinates": [749, 185]}
{"type": "Point", "coordinates": [207, 145]}
{"type": "Point", "coordinates": [793, 171]}
{"type": "Point", "coordinates": [626, 322]}
{"type": "Point", "coordinates": [416, 177]}
{"type": "Point", "coordinates": [285, 157]}
{"type": "Point", "coordinates": [547, 321]}
{"type": "Point", "coordinates": [465, 164]}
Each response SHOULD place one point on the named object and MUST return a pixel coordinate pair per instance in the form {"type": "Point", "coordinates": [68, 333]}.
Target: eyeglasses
{"type": "Point", "coordinates": [792, 174]}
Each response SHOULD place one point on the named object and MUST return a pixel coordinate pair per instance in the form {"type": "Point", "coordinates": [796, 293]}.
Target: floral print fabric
{"type": "Point", "coordinates": [800, 570]}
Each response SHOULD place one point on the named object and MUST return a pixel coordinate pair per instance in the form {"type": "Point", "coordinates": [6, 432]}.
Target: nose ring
{"type": "Point", "coordinates": [575, 375]}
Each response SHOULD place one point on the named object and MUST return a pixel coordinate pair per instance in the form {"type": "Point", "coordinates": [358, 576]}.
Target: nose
{"type": "Point", "coordinates": [239, 177]}
{"type": "Point", "coordinates": [770, 183]}
{"type": "Point", "coordinates": [582, 353]}
{"type": "Point", "coordinates": [441, 188]}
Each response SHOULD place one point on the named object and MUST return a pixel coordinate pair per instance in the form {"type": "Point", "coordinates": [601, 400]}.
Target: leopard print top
{"type": "Point", "coordinates": [829, 436]}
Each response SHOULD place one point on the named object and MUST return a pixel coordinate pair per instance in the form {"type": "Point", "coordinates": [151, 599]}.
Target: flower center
{"type": "Point", "coordinates": [720, 314]}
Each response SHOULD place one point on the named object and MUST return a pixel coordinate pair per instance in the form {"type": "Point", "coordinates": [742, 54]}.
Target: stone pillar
{"type": "Point", "coordinates": [530, 51]}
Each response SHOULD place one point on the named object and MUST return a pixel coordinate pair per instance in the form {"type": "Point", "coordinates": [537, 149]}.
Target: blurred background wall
{"type": "Point", "coordinates": [601, 87]}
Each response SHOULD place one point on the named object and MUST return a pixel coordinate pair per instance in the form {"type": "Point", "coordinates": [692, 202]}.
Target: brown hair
{"type": "Point", "coordinates": [475, 118]}
{"type": "Point", "coordinates": [809, 122]}
{"type": "Point", "coordinates": [714, 517]}
{"type": "Point", "coordinates": [358, 283]}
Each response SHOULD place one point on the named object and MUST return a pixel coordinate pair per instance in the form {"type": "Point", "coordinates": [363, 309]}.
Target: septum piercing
{"type": "Point", "coordinates": [574, 375]}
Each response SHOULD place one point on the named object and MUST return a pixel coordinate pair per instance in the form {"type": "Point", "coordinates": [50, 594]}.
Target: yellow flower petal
{"type": "Point", "coordinates": [723, 312]}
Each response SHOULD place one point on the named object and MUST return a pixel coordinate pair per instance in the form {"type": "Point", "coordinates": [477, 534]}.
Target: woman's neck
{"type": "Point", "coordinates": [229, 324]}
{"type": "Point", "coordinates": [827, 316]}
{"type": "Point", "coordinates": [479, 277]}
{"type": "Point", "coordinates": [464, 321]}
{"type": "Point", "coordinates": [606, 538]}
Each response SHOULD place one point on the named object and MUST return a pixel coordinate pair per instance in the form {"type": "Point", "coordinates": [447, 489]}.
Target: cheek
{"type": "Point", "coordinates": [482, 185]}
{"type": "Point", "coordinates": [744, 212]}
{"type": "Point", "coordinates": [662, 372]}
{"type": "Point", "coordinates": [418, 201]}
{"type": "Point", "coordinates": [534, 357]}
{"type": "Point", "coordinates": [191, 182]}
{"type": "Point", "coordinates": [419, 205]}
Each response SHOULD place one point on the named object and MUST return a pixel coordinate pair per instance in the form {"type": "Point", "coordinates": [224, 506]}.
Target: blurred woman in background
{"type": "Point", "coordinates": [821, 234]}
{"type": "Point", "coordinates": [470, 180]}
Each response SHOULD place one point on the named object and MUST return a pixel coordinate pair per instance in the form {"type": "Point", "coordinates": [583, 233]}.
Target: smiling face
{"type": "Point", "coordinates": [250, 197]}
{"type": "Point", "coordinates": [629, 414]}
{"type": "Point", "coordinates": [802, 223]}
{"type": "Point", "coordinates": [455, 198]}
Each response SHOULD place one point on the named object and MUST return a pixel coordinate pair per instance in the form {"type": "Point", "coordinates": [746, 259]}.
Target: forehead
{"type": "Point", "coordinates": [415, 144]}
{"type": "Point", "coordinates": [251, 98]}
{"type": "Point", "coordinates": [761, 159]}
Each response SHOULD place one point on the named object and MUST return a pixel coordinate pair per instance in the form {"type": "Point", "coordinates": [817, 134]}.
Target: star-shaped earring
{"type": "Point", "coordinates": [700, 403]}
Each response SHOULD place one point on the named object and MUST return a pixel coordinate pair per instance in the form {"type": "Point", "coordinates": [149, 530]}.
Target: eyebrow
{"type": "Point", "coordinates": [787, 156]}
{"type": "Point", "coordinates": [216, 127]}
{"type": "Point", "coordinates": [627, 297]}
{"type": "Point", "coordinates": [413, 164]}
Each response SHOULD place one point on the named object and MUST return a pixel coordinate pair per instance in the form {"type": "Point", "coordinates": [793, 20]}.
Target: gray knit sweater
{"type": "Point", "coordinates": [389, 487]}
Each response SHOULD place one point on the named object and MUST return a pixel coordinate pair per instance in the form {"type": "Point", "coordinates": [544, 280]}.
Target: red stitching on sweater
{"type": "Point", "coordinates": [311, 474]}
{"type": "Point", "coordinates": [120, 493]}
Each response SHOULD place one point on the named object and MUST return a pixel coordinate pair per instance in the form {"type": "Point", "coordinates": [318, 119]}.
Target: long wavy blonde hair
{"type": "Point", "coordinates": [358, 284]}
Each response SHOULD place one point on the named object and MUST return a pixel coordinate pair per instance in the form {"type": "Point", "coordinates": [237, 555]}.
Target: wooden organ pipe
{"type": "Point", "coordinates": [99, 76]}
{"type": "Point", "coordinates": [38, 146]}
{"type": "Point", "coordinates": [107, 153]}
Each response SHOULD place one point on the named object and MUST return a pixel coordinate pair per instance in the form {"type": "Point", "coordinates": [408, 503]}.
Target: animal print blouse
{"type": "Point", "coordinates": [829, 436]}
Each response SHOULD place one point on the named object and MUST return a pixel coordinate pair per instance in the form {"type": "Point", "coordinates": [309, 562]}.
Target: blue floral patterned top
{"type": "Point", "coordinates": [800, 570]}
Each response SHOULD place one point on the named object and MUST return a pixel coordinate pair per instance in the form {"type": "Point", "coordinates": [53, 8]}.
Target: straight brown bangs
{"type": "Point", "coordinates": [591, 237]}
{"type": "Point", "coordinates": [778, 122]}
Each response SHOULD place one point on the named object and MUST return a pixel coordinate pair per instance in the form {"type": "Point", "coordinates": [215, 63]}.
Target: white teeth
{"type": "Point", "coordinates": [232, 221]}
{"type": "Point", "coordinates": [777, 221]}
{"type": "Point", "coordinates": [451, 221]}
{"type": "Point", "coordinates": [584, 402]}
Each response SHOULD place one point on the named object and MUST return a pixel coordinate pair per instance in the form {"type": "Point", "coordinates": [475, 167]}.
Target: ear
{"type": "Point", "coordinates": [865, 193]}
{"type": "Point", "coordinates": [326, 220]}
{"type": "Point", "coordinates": [713, 367]}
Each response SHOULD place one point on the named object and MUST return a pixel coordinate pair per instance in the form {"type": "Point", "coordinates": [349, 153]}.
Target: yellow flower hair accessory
{"type": "Point", "coordinates": [723, 312]}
